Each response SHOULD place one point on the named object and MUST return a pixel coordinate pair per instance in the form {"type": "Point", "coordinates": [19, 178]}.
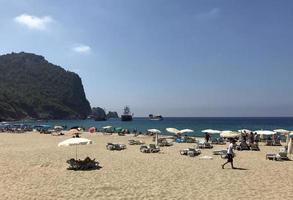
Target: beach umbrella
{"type": "Point", "coordinates": [229, 134]}
{"type": "Point", "coordinates": [244, 131]}
{"type": "Point", "coordinates": [74, 132]}
{"type": "Point", "coordinates": [75, 142]}
{"type": "Point", "coordinates": [157, 132]}
{"type": "Point", "coordinates": [282, 131]}
{"type": "Point", "coordinates": [154, 131]}
{"type": "Point", "coordinates": [173, 130]}
{"type": "Point", "coordinates": [211, 131]}
{"type": "Point", "coordinates": [58, 127]}
{"type": "Point", "coordinates": [107, 127]}
{"type": "Point", "coordinates": [186, 131]}
{"type": "Point", "coordinates": [265, 132]}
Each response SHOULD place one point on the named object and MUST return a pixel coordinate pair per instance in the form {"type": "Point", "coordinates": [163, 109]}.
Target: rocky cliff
{"type": "Point", "coordinates": [112, 115]}
{"type": "Point", "coordinates": [31, 87]}
{"type": "Point", "coordinates": [98, 114]}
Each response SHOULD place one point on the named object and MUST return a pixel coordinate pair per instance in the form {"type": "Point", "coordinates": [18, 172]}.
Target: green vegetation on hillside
{"type": "Point", "coordinates": [31, 87]}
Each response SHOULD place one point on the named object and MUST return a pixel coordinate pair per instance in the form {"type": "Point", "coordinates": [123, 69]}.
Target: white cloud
{"type": "Point", "coordinates": [33, 22]}
{"type": "Point", "coordinates": [82, 49]}
{"type": "Point", "coordinates": [212, 14]}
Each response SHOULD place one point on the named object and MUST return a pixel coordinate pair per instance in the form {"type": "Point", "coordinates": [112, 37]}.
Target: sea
{"type": "Point", "coordinates": [195, 123]}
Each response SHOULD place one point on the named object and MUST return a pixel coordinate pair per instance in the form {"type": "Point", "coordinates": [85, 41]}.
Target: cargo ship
{"type": "Point", "coordinates": [127, 115]}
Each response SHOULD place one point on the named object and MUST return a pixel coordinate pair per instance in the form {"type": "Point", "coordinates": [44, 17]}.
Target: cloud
{"type": "Point", "coordinates": [33, 22]}
{"type": "Point", "coordinates": [212, 14]}
{"type": "Point", "coordinates": [82, 49]}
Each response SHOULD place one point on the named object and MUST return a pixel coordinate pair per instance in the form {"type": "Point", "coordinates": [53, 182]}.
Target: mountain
{"type": "Point", "coordinates": [31, 87]}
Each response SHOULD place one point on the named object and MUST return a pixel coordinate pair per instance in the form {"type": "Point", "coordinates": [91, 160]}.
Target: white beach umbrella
{"type": "Point", "coordinates": [75, 142]}
{"type": "Point", "coordinates": [229, 134]}
{"type": "Point", "coordinates": [154, 131]}
{"type": "Point", "coordinates": [282, 131]}
{"type": "Point", "coordinates": [244, 131]}
{"type": "Point", "coordinates": [186, 131]}
{"type": "Point", "coordinates": [265, 132]}
{"type": "Point", "coordinates": [211, 131]}
{"type": "Point", "coordinates": [173, 130]}
{"type": "Point", "coordinates": [157, 132]}
{"type": "Point", "coordinates": [107, 127]}
{"type": "Point", "coordinates": [58, 127]}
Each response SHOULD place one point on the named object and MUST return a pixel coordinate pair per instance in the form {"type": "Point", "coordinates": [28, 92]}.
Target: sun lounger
{"type": "Point", "coordinates": [86, 164]}
{"type": "Point", "coordinates": [191, 152]}
{"type": "Point", "coordinates": [162, 142]}
{"type": "Point", "coordinates": [282, 155]}
{"type": "Point", "coordinates": [254, 147]}
{"type": "Point", "coordinates": [242, 146]}
{"type": "Point", "coordinates": [186, 139]}
{"type": "Point", "coordinates": [135, 142]}
{"type": "Point", "coordinates": [218, 141]}
{"type": "Point", "coordinates": [277, 143]}
{"type": "Point", "coordinates": [220, 152]}
{"type": "Point", "coordinates": [205, 145]}
{"type": "Point", "coordinates": [152, 148]}
{"type": "Point", "coordinates": [269, 142]}
{"type": "Point", "coordinates": [117, 147]}
{"type": "Point", "coordinates": [271, 156]}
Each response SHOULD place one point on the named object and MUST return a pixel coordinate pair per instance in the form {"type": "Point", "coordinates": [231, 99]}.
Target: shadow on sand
{"type": "Point", "coordinates": [239, 168]}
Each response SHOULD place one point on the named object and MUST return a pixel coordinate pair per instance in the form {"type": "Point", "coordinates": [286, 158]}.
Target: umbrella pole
{"type": "Point", "coordinates": [75, 152]}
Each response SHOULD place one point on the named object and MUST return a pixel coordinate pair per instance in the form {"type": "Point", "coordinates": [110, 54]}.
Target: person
{"type": "Point", "coordinates": [230, 154]}
{"type": "Point", "coordinates": [251, 138]}
{"type": "Point", "coordinates": [207, 137]}
{"type": "Point", "coordinates": [256, 139]}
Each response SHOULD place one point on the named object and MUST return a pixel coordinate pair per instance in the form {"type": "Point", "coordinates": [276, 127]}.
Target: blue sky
{"type": "Point", "coordinates": [175, 58]}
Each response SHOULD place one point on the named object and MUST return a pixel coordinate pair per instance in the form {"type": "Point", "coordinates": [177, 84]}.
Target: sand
{"type": "Point", "coordinates": [33, 167]}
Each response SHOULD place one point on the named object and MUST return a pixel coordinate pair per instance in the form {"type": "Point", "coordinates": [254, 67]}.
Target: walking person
{"type": "Point", "coordinates": [230, 154]}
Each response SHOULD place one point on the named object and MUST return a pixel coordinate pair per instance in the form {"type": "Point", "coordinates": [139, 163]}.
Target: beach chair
{"type": "Point", "coordinates": [162, 142]}
{"type": "Point", "coordinates": [152, 148]}
{"type": "Point", "coordinates": [204, 145]}
{"type": "Point", "coordinates": [186, 139]}
{"type": "Point", "coordinates": [220, 141]}
{"type": "Point", "coordinates": [214, 141]}
{"type": "Point", "coordinates": [271, 156]}
{"type": "Point", "coordinates": [191, 152]}
{"type": "Point", "coordinates": [135, 142]}
{"type": "Point", "coordinates": [269, 142]}
{"type": "Point", "coordinates": [242, 146]}
{"type": "Point", "coordinates": [254, 147]}
{"type": "Point", "coordinates": [117, 147]}
{"type": "Point", "coordinates": [220, 152]}
{"type": "Point", "coordinates": [277, 143]}
{"type": "Point", "coordinates": [282, 155]}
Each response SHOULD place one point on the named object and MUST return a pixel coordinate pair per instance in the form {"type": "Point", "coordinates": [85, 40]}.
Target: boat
{"type": "Point", "coordinates": [127, 115]}
{"type": "Point", "coordinates": [155, 117]}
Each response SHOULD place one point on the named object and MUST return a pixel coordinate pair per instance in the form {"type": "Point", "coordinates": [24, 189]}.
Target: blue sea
{"type": "Point", "coordinates": [195, 123]}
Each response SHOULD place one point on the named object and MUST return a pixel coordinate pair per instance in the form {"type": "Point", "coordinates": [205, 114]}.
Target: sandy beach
{"type": "Point", "coordinates": [33, 167]}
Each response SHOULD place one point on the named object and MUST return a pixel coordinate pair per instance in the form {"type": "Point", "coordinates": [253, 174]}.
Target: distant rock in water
{"type": "Point", "coordinates": [98, 114]}
{"type": "Point", "coordinates": [31, 87]}
{"type": "Point", "coordinates": [112, 115]}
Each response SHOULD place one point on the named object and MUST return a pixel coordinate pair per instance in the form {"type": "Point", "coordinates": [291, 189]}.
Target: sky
{"type": "Point", "coordinates": [192, 58]}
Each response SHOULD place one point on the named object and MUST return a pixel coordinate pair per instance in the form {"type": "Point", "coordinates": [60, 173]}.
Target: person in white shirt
{"type": "Point", "coordinates": [230, 154]}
